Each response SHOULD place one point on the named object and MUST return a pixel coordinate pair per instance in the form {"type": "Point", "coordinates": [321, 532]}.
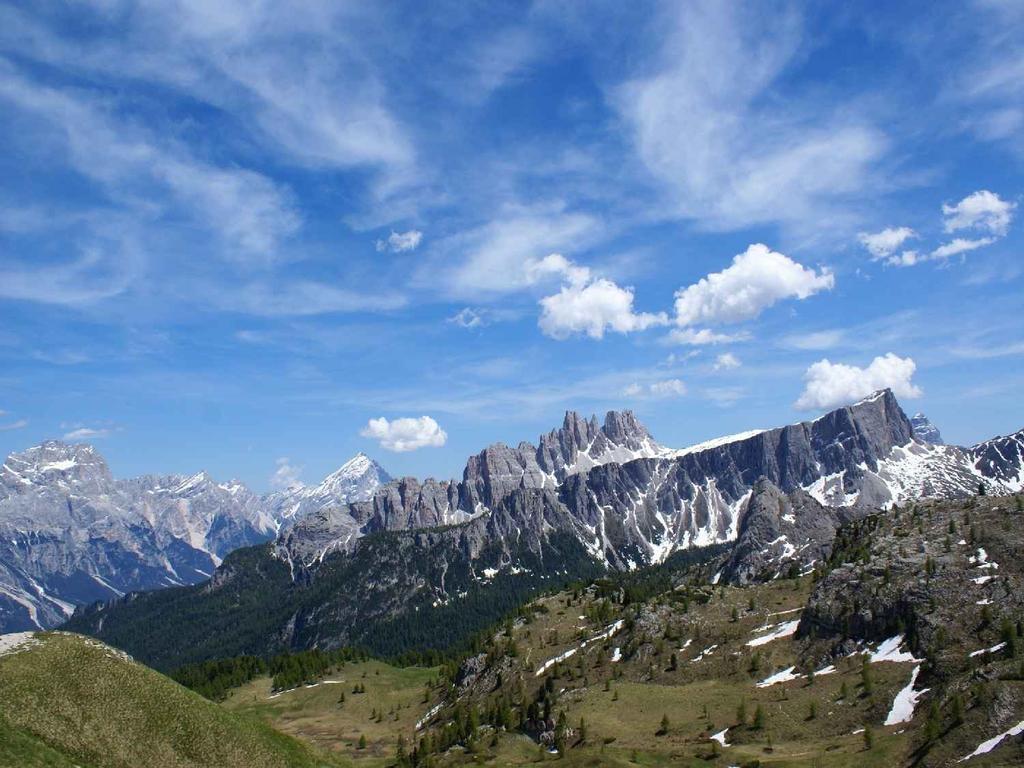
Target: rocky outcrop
{"type": "Point", "coordinates": [780, 532]}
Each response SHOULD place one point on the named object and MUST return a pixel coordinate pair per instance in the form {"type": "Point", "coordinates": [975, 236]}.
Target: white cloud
{"type": "Point", "coordinates": [959, 245]}
{"type": "Point", "coordinates": [883, 244]}
{"type": "Point", "coordinates": [87, 433]}
{"type": "Point", "coordinates": [592, 308]}
{"type": "Point", "coordinates": [979, 210]}
{"type": "Point", "coordinates": [303, 298]}
{"type": "Point", "coordinates": [657, 389]}
{"type": "Point", "coordinates": [828, 384]}
{"type": "Point", "coordinates": [19, 424]}
{"type": "Point", "coordinates": [94, 275]}
{"type": "Point", "coordinates": [726, 362]}
{"type": "Point", "coordinates": [757, 279]}
{"type": "Point", "coordinates": [555, 264]}
{"type": "Point", "coordinates": [815, 340]}
{"type": "Point", "coordinates": [285, 475]}
{"type": "Point", "coordinates": [510, 252]}
{"type": "Point", "coordinates": [406, 434]}
{"type": "Point", "coordinates": [691, 337]}
{"type": "Point", "coordinates": [906, 258]}
{"type": "Point", "coordinates": [732, 148]}
{"type": "Point", "coordinates": [400, 242]}
{"type": "Point", "coordinates": [467, 317]}
{"type": "Point", "coordinates": [246, 209]}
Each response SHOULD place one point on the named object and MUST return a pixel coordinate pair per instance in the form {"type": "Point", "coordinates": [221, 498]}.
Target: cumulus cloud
{"type": "Point", "coordinates": [828, 384]}
{"type": "Point", "coordinates": [407, 434]}
{"type": "Point", "coordinates": [586, 304]}
{"type": "Point", "coordinates": [882, 245]}
{"type": "Point", "coordinates": [757, 278]}
{"type": "Point", "coordinates": [726, 362]}
{"type": "Point", "coordinates": [87, 433]}
{"type": "Point", "coordinates": [592, 308]}
{"type": "Point", "coordinates": [286, 475]}
{"type": "Point", "coordinates": [979, 210]}
{"type": "Point", "coordinates": [657, 389]}
{"type": "Point", "coordinates": [400, 242]}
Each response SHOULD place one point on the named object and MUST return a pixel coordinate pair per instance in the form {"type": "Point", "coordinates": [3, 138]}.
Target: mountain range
{"type": "Point", "coordinates": [422, 565]}
{"type": "Point", "coordinates": [71, 534]}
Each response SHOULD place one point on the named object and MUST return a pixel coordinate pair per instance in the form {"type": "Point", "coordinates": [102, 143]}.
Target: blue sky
{"type": "Point", "coordinates": [258, 237]}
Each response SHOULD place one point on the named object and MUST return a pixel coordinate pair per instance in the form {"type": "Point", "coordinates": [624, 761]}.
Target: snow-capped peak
{"type": "Point", "coordinates": [355, 480]}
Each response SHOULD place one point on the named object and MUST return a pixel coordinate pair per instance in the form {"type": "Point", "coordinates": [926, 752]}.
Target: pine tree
{"type": "Point", "coordinates": [664, 726]}
{"type": "Point", "coordinates": [362, 741]}
{"type": "Point", "coordinates": [741, 712]}
{"type": "Point", "coordinates": [869, 737]}
{"type": "Point", "coordinates": [866, 681]}
{"type": "Point", "coordinates": [958, 710]}
{"type": "Point", "coordinates": [759, 718]}
{"type": "Point", "coordinates": [933, 726]}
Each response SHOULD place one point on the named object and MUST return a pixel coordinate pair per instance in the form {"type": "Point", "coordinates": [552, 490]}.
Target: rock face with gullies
{"type": "Point", "coordinates": [637, 501]}
{"type": "Point", "coordinates": [780, 531]}
{"type": "Point", "coordinates": [1000, 461]}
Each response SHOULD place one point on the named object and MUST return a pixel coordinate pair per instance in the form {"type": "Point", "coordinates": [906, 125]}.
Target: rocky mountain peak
{"type": "Point", "coordinates": [56, 462]}
{"type": "Point", "coordinates": [623, 428]}
{"type": "Point", "coordinates": [924, 430]}
{"type": "Point", "coordinates": [354, 481]}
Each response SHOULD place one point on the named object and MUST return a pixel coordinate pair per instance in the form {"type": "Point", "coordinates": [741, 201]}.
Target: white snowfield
{"type": "Point", "coordinates": [706, 652]}
{"type": "Point", "coordinates": [983, 651]}
{"type": "Point", "coordinates": [987, 746]}
{"type": "Point", "coordinates": [720, 738]}
{"type": "Point", "coordinates": [903, 705]}
{"type": "Point", "coordinates": [785, 629]}
{"type": "Point", "coordinates": [14, 642]}
{"type": "Point", "coordinates": [789, 673]}
{"type": "Point", "coordinates": [426, 718]}
{"type": "Point", "coordinates": [611, 630]}
{"type": "Point", "coordinates": [889, 650]}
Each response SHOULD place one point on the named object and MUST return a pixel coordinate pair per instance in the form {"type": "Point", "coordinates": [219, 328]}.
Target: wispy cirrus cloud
{"type": "Point", "coordinates": [753, 153]}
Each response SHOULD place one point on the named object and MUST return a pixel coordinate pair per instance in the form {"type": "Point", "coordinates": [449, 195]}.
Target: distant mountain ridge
{"type": "Point", "coordinates": [71, 534]}
{"type": "Point", "coordinates": [420, 562]}
{"type": "Point", "coordinates": [640, 501]}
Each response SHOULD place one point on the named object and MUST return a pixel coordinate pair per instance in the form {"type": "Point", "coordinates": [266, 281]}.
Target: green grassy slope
{"type": "Point", "coordinates": [69, 700]}
{"type": "Point", "coordinates": [317, 713]}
